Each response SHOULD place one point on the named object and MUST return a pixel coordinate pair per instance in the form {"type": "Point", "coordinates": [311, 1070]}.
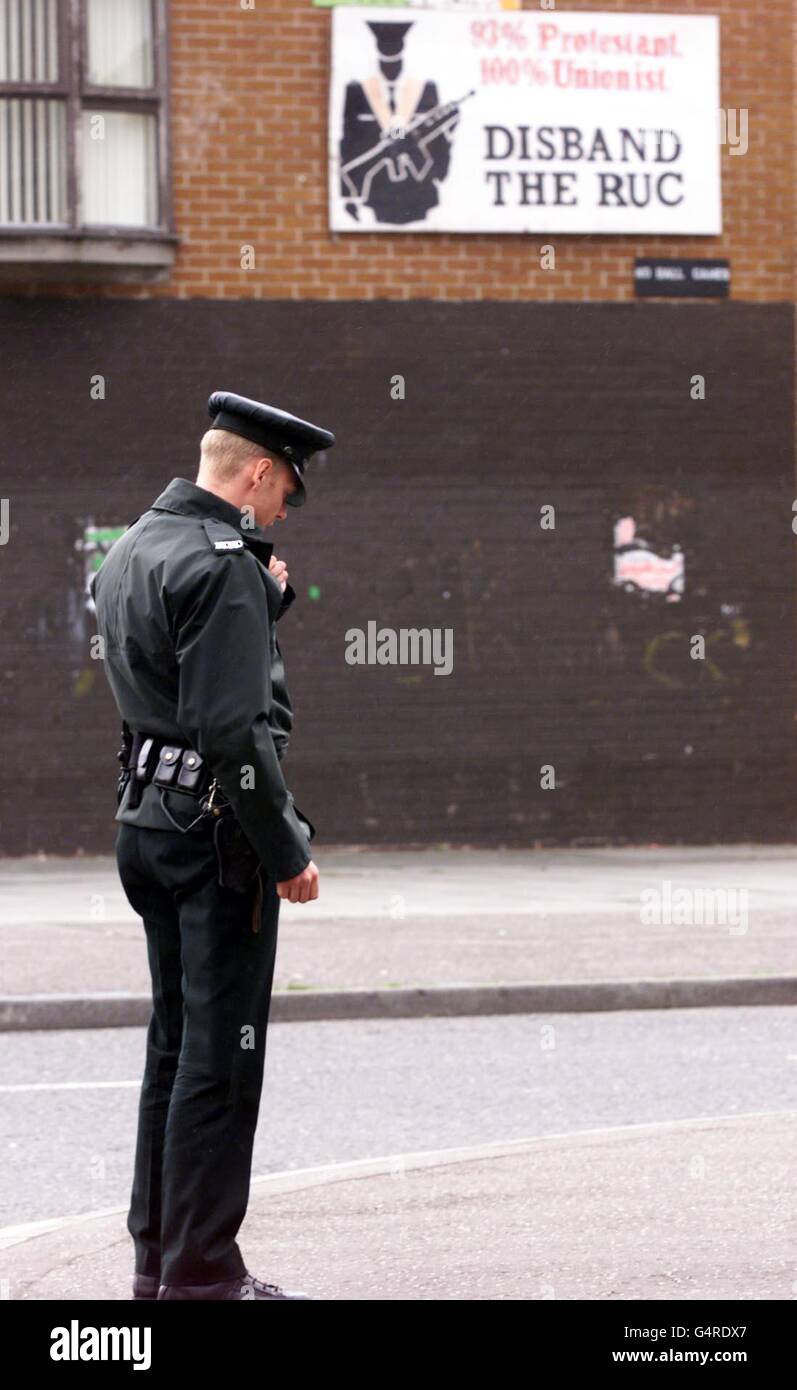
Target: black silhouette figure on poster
{"type": "Point", "coordinates": [397, 134]}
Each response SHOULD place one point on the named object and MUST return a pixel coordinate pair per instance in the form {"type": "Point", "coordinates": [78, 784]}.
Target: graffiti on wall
{"type": "Point", "coordinates": [638, 568]}
{"type": "Point", "coordinates": [94, 545]}
{"type": "Point", "coordinates": [654, 528]}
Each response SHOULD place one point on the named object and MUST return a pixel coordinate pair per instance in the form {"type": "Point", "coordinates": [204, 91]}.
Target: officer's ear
{"type": "Point", "coordinates": [260, 468]}
{"type": "Point", "coordinates": [259, 471]}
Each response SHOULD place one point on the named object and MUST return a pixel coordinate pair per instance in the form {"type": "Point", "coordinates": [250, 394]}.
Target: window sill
{"type": "Point", "coordinates": [63, 257]}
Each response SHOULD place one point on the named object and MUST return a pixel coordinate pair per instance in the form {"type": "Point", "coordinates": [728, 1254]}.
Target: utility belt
{"type": "Point", "coordinates": [177, 767]}
{"type": "Point", "coordinates": [170, 765]}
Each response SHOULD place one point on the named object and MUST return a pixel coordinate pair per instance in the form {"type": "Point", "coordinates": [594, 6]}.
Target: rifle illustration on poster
{"type": "Point", "coordinates": [396, 143]}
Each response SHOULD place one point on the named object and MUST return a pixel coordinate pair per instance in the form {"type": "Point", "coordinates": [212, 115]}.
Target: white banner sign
{"type": "Point", "coordinates": [528, 122]}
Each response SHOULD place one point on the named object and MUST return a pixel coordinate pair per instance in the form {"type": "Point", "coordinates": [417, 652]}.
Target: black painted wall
{"type": "Point", "coordinates": [426, 514]}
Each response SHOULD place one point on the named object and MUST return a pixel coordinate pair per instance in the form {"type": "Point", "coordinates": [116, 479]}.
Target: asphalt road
{"type": "Point", "coordinates": [337, 1092]}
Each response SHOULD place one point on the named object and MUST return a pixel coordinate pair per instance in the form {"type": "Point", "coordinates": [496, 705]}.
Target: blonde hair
{"type": "Point", "coordinates": [224, 454]}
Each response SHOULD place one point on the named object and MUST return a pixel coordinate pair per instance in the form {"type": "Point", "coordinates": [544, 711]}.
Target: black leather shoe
{"type": "Point", "coordinates": [145, 1285]}
{"type": "Point", "coordinates": [245, 1288]}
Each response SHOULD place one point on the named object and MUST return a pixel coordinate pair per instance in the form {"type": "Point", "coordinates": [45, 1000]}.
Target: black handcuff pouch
{"type": "Point", "coordinates": [181, 769]}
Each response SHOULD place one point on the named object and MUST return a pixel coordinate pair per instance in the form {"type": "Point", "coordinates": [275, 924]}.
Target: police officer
{"type": "Point", "coordinates": [209, 838]}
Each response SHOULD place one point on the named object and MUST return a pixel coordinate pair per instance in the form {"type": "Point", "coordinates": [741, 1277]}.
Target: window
{"type": "Point", "coordinates": [32, 126]}
{"type": "Point", "coordinates": [83, 115]}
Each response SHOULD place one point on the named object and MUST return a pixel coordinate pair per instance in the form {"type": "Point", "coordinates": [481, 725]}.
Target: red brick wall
{"type": "Point", "coordinates": [249, 107]}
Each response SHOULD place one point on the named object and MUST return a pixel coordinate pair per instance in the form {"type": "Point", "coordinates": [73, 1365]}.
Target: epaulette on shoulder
{"type": "Point", "coordinates": [221, 535]}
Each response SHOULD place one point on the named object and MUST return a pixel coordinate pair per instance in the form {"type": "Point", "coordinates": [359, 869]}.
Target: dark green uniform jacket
{"type": "Point", "coordinates": [187, 610]}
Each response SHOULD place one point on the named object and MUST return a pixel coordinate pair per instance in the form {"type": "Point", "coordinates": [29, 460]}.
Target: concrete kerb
{"type": "Point", "coordinates": [27, 1013]}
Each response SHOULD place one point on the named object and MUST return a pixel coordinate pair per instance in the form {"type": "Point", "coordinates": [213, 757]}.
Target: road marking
{"type": "Point", "coordinates": [68, 1086]}
{"type": "Point", "coordinates": [297, 1179]}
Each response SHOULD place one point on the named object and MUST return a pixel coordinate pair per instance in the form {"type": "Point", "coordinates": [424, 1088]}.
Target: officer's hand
{"type": "Point", "coordinates": [301, 889]}
{"type": "Point", "coordinates": [279, 569]}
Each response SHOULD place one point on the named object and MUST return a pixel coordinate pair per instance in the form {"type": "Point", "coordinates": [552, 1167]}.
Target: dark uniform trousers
{"type": "Point", "coordinates": [206, 1044]}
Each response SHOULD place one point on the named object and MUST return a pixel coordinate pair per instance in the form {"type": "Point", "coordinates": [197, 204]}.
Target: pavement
{"type": "Point", "coordinates": [415, 933]}
{"type": "Point", "coordinates": [682, 1210]}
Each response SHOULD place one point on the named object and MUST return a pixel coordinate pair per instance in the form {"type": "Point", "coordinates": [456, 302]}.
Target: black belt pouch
{"type": "Point", "coordinates": [238, 862]}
